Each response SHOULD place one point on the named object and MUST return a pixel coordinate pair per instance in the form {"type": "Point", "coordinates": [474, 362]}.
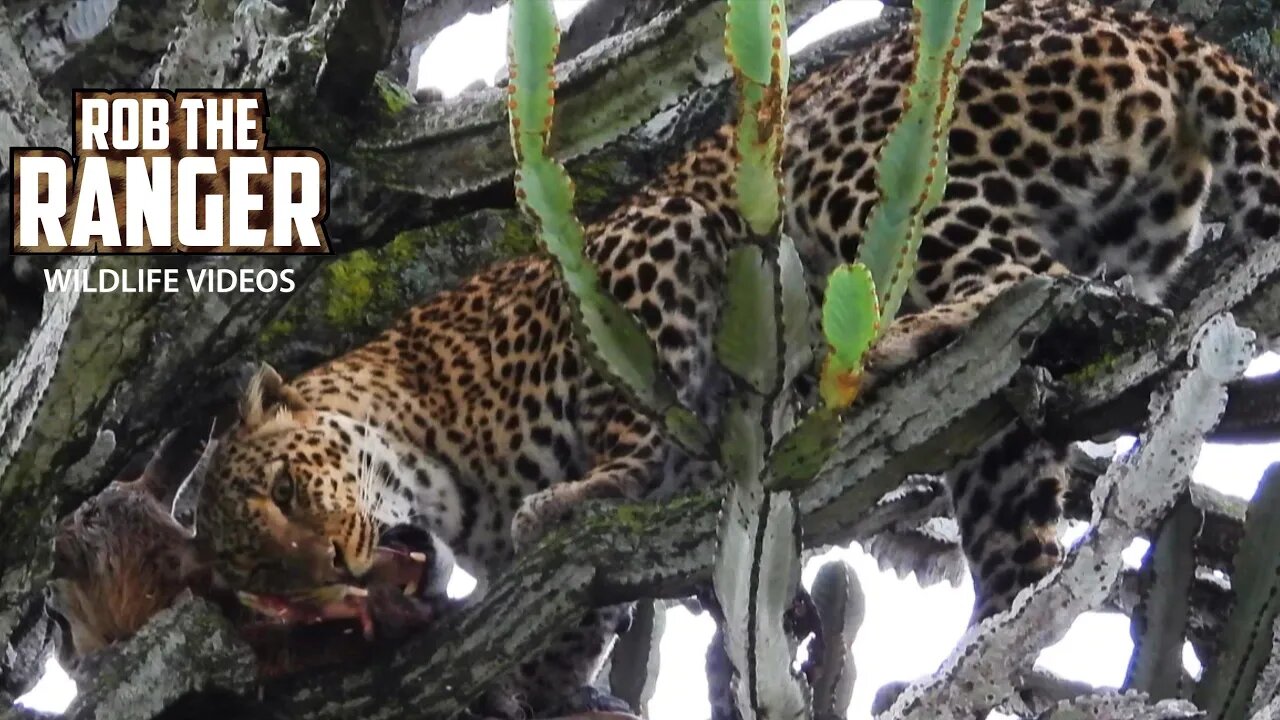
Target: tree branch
{"type": "Point", "coordinates": [187, 648]}
{"type": "Point", "coordinates": [982, 672]}
{"type": "Point", "coordinates": [613, 555]}
{"type": "Point", "coordinates": [70, 44]}
{"type": "Point", "coordinates": [1223, 514]}
{"type": "Point", "coordinates": [421, 21]}
{"type": "Point", "coordinates": [601, 20]}
{"type": "Point", "coordinates": [663, 551]}
{"type": "Point", "coordinates": [447, 149]}
{"type": "Point", "coordinates": [359, 45]}
{"type": "Point", "coordinates": [946, 405]}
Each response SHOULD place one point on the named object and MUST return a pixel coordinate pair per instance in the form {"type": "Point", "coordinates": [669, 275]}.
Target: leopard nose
{"type": "Point", "coordinates": [409, 537]}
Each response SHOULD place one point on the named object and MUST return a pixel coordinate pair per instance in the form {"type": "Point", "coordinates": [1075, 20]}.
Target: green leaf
{"type": "Point", "coordinates": [687, 430]}
{"type": "Point", "coordinates": [759, 194]}
{"type": "Point", "coordinates": [797, 307]}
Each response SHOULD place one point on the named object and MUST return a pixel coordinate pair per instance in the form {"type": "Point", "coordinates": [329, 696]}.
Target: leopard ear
{"type": "Point", "coordinates": [267, 397]}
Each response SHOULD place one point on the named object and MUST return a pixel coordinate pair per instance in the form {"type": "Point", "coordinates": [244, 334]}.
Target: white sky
{"type": "Point", "coordinates": [908, 630]}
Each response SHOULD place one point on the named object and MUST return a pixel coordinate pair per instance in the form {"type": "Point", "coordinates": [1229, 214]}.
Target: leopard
{"type": "Point", "coordinates": [1086, 139]}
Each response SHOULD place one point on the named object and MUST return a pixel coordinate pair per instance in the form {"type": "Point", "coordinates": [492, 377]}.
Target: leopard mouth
{"type": "Point", "coordinates": [401, 564]}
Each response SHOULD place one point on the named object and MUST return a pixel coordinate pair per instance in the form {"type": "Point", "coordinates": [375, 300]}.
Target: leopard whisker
{"type": "Point", "coordinates": [376, 498]}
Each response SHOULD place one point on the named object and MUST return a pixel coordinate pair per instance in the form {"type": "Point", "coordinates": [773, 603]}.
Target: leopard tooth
{"type": "Point", "coordinates": [411, 589]}
{"type": "Point", "coordinates": [354, 591]}
{"type": "Point", "coordinates": [418, 556]}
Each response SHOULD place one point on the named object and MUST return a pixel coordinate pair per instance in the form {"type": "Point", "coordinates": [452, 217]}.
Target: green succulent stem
{"type": "Point", "coordinates": [756, 44]}
{"type": "Point", "coordinates": [757, 568]}
{"type": "Point", "coordinates": [863, 297]}
{"type": "Point", "coordinates": [912, 168]}
{"type": "Point", "coordinates": [616, 344]}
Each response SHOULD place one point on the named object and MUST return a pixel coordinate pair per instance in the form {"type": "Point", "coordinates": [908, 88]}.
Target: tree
{"type": "Point", "coordinates": [422, 195]}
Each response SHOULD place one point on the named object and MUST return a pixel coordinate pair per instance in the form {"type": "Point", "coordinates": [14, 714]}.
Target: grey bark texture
{"type": "Point", "coordinates": [421, 197]}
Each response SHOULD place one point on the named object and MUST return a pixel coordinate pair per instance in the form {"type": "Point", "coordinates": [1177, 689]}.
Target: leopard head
{"type": "Point", "coordinates": [282, 506]}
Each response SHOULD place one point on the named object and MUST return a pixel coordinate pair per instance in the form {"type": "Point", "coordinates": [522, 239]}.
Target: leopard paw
{"type": "Point", "coordinates": [540, 513]}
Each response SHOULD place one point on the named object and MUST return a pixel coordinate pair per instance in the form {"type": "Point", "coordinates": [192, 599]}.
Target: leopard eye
{"type": "Point", "coordinates": [282, 489]}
